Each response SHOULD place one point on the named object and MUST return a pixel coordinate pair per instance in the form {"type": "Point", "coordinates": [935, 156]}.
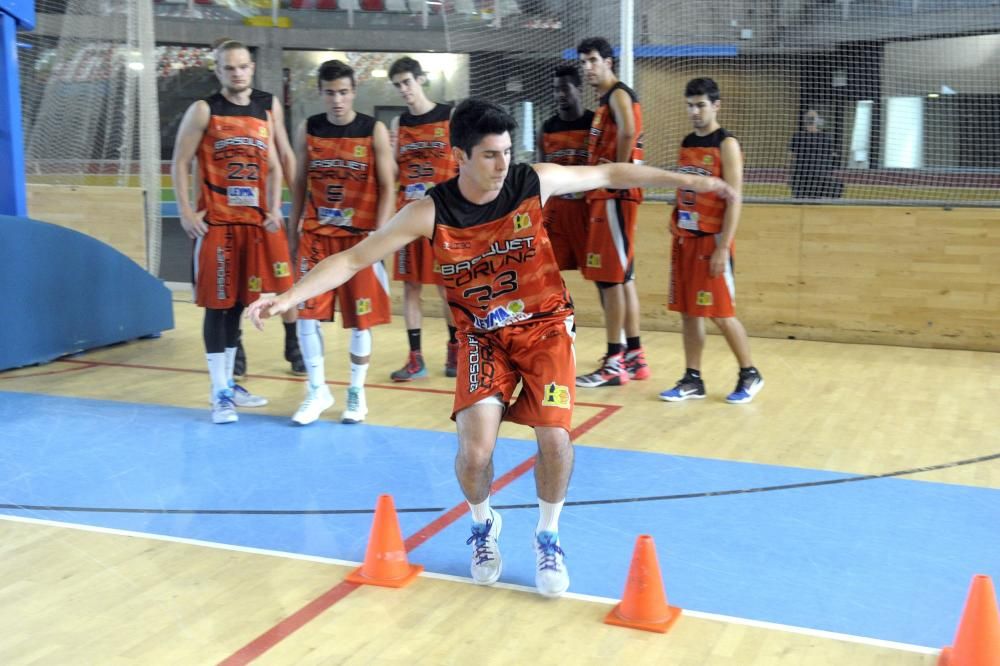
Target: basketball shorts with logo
{"type": "Point", "coordinates": [610, 248]}
{"type": "Point", "coordinates": [363, 301]}
{"type": "Point", "coordinates": [565, 222]}
{"type": "Point", "coordinates": [539, 355]}
{"type": "Point", "coordinates": [415, 263]}
{"type": "Point", "coordinates": [235, 263]}
{"type": "Point", "coordinates": [693, 290]}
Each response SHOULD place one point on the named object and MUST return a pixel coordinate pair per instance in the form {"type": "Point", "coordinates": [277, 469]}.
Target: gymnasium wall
{"type": "Point", "coordinates": [923, 277]}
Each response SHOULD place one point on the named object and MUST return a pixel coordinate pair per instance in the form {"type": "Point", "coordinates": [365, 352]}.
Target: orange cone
{"type": "Point", "coordinates": [385, 560]}
{"type": "Point", "coordinates": [977, 641]}
{"type": "Point", "coordinates": [644, 604]}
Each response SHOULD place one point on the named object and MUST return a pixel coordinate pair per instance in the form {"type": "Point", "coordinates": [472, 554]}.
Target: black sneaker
{"type": "Point", "coordinates": [688, 388]}
{"type": "Point", "coordinates": [240, 364]}
{"type": "Point", "coordinates": [294, 356]}
{"type": "Point", "coordinates": [748, 385]}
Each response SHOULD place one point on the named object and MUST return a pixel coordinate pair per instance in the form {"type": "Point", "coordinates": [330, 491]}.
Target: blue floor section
{"type": "Point", "coordinates": [888, 558]}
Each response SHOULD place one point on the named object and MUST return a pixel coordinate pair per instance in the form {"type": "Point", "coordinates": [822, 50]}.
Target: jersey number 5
{"type": "Point", "coordinates": [334, 193]}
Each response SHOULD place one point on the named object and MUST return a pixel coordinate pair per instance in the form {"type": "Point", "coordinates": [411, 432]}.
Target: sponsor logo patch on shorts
{"type": "Point", "coordinates": [281, 269]}
{"type": "Point", "coordinates": [363, 306]}
{"type": "Point", "coordinates": [704, 298]}
{"type": "Point", "coordinates": [556, 395]}
{"type": "Point", "coordinates": [254, 283]}
{"type": "Point", "coordinates": [593, 260]}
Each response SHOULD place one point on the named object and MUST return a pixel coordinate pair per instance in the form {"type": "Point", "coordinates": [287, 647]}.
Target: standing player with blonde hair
{"type": "Point", "coordinates": [287, 159]}
{"type": "Point", "coordinates": [240, 245]}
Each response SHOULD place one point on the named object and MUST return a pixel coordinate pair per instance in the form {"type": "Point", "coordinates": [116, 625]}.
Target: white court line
{"type": "Point", "coordinates": [805, 631]}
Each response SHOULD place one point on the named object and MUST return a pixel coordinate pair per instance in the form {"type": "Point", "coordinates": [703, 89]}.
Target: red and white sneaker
{"type": "Point", "coordinates": [635, 364]}
{"type": "Point", "coordinates": [611, 373]}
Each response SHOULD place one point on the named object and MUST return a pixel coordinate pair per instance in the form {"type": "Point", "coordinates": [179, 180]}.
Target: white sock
{"type": "Point", "coordinates": [217, 372]}
{"type": "Point", "coordinates": [481, 512]}
{"type": "Point", "coordinates": [311, 344]}
{"type": "Point", "coordinates": [548, 516]}
{"type": "Point", "coordinates": [358, 373]}
{"type": "Point", "coordinates": [230, 364]}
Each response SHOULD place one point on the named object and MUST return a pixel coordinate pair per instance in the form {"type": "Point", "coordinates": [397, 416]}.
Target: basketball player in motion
{"type": "Point", "coordinates": [616, 136]}
{"type": "Point", "coordinates": [511, 307]}
{"type": "Point", "coordinates": [563, 140]}
{"type": "Point", "coordinates": [240, 244]}
{"type": "Point", "coordinates": [423, 153]}
{"type": "Point", "coordinates": [703, 227]}
{"type": "Point", "coordinates": [343, 191]}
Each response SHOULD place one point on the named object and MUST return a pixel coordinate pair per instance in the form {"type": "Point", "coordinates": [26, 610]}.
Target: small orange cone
{"type": "Point", "coordinates": [977, 641]}
{"type": "Point", "coordinates": [385, 560]}
{"type": "Point", "coordinates": [644, 604]}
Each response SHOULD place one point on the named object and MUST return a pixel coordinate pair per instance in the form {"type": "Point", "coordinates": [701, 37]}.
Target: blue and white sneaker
{"type": "Point", "coordinates": [688, 388]}
{"type": "Point", "coordinates": [244, 398]}
{"type": "Point", "coordinates": [223, 408]}
{"type": "Point", "coordinates": [485, 541]}
{"type": "Point", "coordinates": [551, 577]}
{"type": "Point", "coordinates": [748, 385]}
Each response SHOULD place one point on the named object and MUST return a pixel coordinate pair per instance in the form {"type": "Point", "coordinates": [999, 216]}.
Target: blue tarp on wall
{"type": "Point", "coordinates": [67, 292]}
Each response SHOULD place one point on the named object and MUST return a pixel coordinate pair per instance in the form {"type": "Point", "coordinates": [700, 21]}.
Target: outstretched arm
{"type": "Point", "coordinates": [556, 179]}
{"type": "Point", "coordinates": [407, 225]}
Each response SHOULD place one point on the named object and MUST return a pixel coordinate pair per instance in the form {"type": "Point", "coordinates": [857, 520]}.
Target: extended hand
{"type": "Point", "coordinates": [265, 307]}
{"type": "Point", "coordinates": [721, 188]}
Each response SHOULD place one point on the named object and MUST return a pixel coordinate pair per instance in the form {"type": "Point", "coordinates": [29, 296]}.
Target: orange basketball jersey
{"type": "Point", "coordinates": [700, 214]}
{"type": "Point", "coordinates": [565, 142]}
{"type": "Point", "coordinates": [603, 143]}
{"type": "Point", "coordinates": [232, 160]}
{"type": "Point", "coordinates": [342, 183]}
{"type": "Point", "coordinates": [496, 259]}
{"type": "Point", "coordinates": [423, 152]}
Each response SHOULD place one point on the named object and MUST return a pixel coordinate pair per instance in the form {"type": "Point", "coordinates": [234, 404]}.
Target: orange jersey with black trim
{"type": "Point", "coordinates": [232, 160]}
{"type": "Point", "coordinates": [341, 182]}
{"type": "Point", "coordinates": [423, 152]}
{"type": "Point", "coordinates": [496, 259]}
{"type": "Point", "coordinates": [699, 214]}
{"type": "Point", "coordinates": [565, 142]}
{"type": "Point", "coordinates": [602, 145]}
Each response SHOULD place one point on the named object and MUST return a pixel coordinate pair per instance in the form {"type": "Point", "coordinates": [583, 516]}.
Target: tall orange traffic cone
{"type": "Point", "coordinates": [385, 560]}
{"type": "Point", "coordinates": [644, 604]}
{"type": "Point", "coordinates": [977, 641]}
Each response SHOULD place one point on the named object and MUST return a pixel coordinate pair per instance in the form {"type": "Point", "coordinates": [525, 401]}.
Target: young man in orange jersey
{"type": "Point", "coordinates": [423, 155]}
{"type": "Point", "coordinates": [616, 136]}
{"type": "Point", "coordinates": [701, 267]}
{"type": "Point", "coordinates": [240, 245]}
{"type": "Point", "coordinates": [511, 308]}
{"type": "Point", "coordinates": [287, 160]}
{"type": "Point", "coordinates": [344, 190]}
{"type": "Point", "coordinates": [563, 140]}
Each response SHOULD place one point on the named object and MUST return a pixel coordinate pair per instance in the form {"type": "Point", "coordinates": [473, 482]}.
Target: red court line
{"type": "Point", "coordinates": [84, 366]}
{"type": "Point", "coordinates": [391, 387]}
{"type": "Point", "coordinates": [313, 609]}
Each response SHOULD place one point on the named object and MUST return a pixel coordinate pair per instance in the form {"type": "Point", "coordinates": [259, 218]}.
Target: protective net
{"type": "Point", "coordinates": [889, 102]}
{"type": "Point", "coordinates": [89, 99]}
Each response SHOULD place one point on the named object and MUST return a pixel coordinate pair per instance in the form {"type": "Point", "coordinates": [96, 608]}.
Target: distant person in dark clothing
{"type": "Point", "coordinates": [812, 161]}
